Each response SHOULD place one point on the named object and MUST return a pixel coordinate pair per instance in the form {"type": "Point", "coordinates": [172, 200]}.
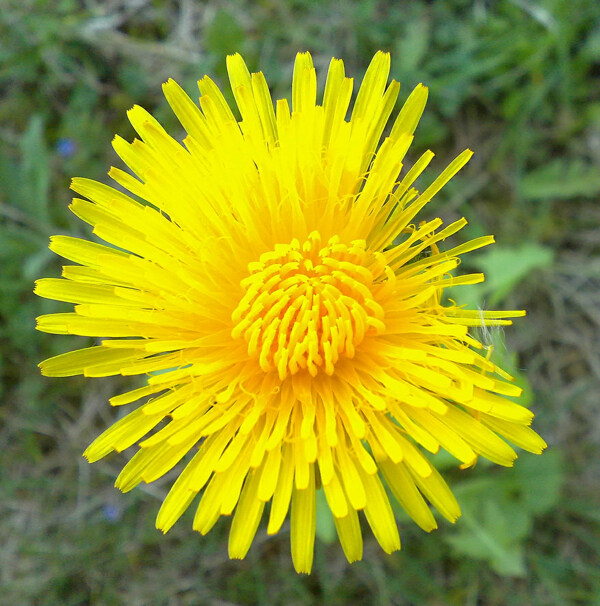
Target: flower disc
{"type": "Point", "coordinates": [305, 305]}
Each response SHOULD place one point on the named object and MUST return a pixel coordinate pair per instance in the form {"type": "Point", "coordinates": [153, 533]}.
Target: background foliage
{"type": "Point", "coordinates": [515, 80]}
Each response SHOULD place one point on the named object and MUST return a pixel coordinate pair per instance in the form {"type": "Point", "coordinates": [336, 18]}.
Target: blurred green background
{"type": "Point", "coordinates": [517, 81]}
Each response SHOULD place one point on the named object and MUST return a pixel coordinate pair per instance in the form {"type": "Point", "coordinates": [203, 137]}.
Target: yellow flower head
{"type": "Point", "coordinates": [287, 310]}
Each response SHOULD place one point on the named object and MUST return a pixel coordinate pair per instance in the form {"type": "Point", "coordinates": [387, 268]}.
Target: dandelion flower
{"type": "Point", "coordinates": [278, 291]}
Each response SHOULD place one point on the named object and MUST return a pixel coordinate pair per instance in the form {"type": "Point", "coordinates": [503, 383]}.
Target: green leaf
{"type": "Point", "coordinates": [15, 244]}
{"type": "Point", "coordinates": [412, 48]}
{"type": "Point", "coordinates": [545, 473]}
{"type": "Point", "coordinates": [591, 48]}
{"type": "Point", "coordinates": [12, 186]}
{"type": "Point", "coordinates": [561, 180]}
{"type": "Point", "coordinates": [493, 525]}
{"type": "Point", "coordinates": [498, 510]}
{"type": "Point", "coordinates": [35, 264]}
{"type": "Point", "coordinates": [35, 171]}
{"type": "Point", "coordinates": [505, 558]}
{"type": "Point", "coordinates": [504, 268]}
{"type": "Point", "coordinates": [224, 35]}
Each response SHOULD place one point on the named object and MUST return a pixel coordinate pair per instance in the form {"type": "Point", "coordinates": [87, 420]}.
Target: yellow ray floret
{"type": "Point", "coordinates": [272, 280]}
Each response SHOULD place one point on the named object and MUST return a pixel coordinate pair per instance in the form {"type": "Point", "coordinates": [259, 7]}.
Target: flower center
{"type": "Point", "coordinates": [305, 305]}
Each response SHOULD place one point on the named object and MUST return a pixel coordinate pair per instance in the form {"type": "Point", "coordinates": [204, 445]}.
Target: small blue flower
{"type": "Point", "coordinates": [66, 147]}
{"type": "Point", "coordinates": [111, 512]}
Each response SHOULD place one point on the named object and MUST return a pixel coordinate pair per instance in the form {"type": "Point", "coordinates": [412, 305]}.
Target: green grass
{"type": "Point", "coordinates": [517, 82]}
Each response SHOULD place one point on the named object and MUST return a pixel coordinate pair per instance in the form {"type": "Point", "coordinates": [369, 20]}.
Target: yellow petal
{"type": "Point", "coordinates": [246, 519]}
{"type": "Point", "coordinates": [304, 524]}
{"type": "Point", "coordinates": [348, 529]}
